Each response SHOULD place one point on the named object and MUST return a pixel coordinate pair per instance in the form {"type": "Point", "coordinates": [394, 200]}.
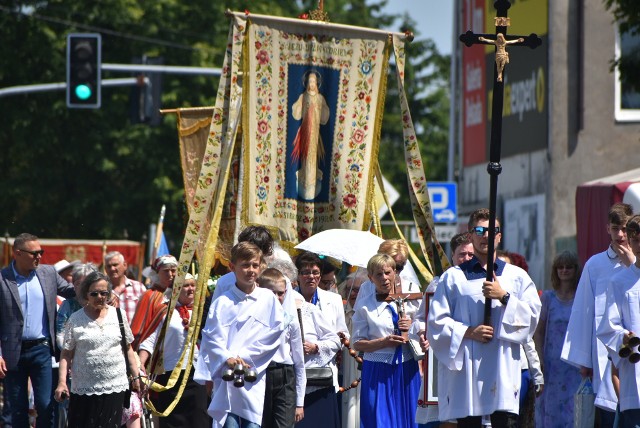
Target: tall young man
{"type": "Point", "coordinates": [581, 347]}
{"type": "Point", "coordinates": [620, 322]}
{"type": "Point", "coordinates": [482, 375]}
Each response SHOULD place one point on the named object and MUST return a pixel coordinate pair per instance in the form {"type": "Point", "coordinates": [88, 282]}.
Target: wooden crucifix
{"type": "Point", "coordinates": [399, 299]}
{"type": "Point", "coordinates": [500, 40]}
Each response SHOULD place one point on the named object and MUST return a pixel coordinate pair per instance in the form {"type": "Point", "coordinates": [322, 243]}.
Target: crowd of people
{"type": "Point", "coordinates": [303, 341]}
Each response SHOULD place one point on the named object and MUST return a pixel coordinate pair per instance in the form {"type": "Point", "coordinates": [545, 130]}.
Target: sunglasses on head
{"type": "Point", "coordinates": [481, 230]}
{"type": "Point", "coordinates": [99, 293]}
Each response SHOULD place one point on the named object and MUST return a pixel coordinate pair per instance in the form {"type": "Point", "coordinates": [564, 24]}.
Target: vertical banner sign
{"type": "Point", "coordinates": [525, 120]}
{"type": "Point", "coordinates": [474, 84]}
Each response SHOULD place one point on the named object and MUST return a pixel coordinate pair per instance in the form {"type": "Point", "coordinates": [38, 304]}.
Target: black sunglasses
{"type": "Point", "coordinates": [101, 293]}
{"type": "Point", "coordinates": [480, 230]}
{"type": "Point", "coordinates": [35, 253]}
{"type": "Point", "coordinates": [399, 267]}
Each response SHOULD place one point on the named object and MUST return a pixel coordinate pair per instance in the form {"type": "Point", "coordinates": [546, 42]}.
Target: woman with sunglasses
{"type": "Point", "coordinates": [554, 407]}
{"type": "Point", "coordinates": [93, 353]}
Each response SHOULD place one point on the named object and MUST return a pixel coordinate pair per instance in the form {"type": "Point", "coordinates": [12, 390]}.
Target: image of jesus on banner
{"type": "Point", "coordinates": [312, 110]}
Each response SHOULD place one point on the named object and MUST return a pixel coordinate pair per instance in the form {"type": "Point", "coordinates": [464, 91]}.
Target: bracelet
{"type": "Point", "coordinates": [134, 378]}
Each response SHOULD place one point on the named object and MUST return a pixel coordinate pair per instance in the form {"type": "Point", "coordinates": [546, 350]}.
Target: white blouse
{"type": "Point", "coordinates": [372, 320]}
{"type": "Point", "coordinates": [317, 329]}
{"type": "Point", "coordinates": [174, 341]}
{"type": "Point", "coordinates": [98, 365]}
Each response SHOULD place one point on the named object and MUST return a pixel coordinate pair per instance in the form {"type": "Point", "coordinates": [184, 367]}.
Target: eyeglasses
{"type": "Point", "coordinates": [35, 253]}
{"type": "Point", "coordinates": [99, 293]}
{"type": "Point", "coordinates": [481, 230]}
{"type": "Point", "coordinates": [327, 282]}
{"type": "Point", "coordinates": [309, 273]}
{"type": "Point", "coordinates": [399, 267]}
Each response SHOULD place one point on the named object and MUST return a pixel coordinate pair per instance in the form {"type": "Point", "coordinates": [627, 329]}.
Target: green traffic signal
{"type": "Point", "coordinates": [84, 70]}
{"type": "Point", "coordinates": [83, 92]}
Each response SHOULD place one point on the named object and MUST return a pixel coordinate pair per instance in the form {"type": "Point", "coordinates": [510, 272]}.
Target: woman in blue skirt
{"type": "Point", "coordinates": [390, 376]}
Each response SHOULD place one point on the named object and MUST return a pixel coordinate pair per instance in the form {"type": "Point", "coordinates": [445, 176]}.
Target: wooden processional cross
{"type": "Point", "coordinates": [500, 40]}
{"type": "Point", "coordinates": [399, 298]}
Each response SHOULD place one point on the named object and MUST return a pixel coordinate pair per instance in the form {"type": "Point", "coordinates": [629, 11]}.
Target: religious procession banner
{"type": "Point", "coordinates": [313, 103]}
{"type": "Point", "coordinates": [194, 125]}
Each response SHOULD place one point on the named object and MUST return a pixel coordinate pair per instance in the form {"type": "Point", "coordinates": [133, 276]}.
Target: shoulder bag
{"type": "Point", "coordinates": [123, 342]}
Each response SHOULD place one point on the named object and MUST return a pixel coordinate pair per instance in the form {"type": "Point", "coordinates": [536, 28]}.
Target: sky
{"type": "Point", "coordinates": [434, 19]}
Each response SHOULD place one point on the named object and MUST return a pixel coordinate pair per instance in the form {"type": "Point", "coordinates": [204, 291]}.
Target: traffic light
{"type": "Point", "coordinates": [83, 70]}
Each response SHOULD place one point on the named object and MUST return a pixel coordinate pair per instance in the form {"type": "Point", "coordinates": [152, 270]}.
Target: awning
{"type": "Point", "coordinates": [593, 200]}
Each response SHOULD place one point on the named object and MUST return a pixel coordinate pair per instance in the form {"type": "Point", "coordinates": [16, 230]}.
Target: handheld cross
{"type": "Point", "coordinates": [500, 40]}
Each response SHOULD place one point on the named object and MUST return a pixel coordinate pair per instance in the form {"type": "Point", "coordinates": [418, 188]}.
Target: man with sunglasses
{"type": "Point", "coordinates": [28, 292]}
{"type": "Point", "coordinates": [481, 373]}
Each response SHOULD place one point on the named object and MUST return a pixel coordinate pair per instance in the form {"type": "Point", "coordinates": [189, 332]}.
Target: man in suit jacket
{"type": "Point", "coordinates": [27, 329]}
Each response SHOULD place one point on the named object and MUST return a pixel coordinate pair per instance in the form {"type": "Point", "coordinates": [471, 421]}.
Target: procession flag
{"type": "Point", "coordinates": [311, 125]}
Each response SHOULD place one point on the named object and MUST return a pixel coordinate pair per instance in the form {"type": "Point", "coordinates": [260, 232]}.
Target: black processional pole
{"type": "Point", "coordinates": [500, 40]}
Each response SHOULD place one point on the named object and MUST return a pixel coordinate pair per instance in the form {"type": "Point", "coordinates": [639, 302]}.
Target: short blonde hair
{"type": "Point", "coordinates": [380, 261]}
{"type": "Point", "coordinates": [394, 247]}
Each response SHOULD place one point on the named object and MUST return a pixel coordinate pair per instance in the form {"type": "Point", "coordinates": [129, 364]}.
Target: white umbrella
{"type": "Point", "coordinates": [355, 247]}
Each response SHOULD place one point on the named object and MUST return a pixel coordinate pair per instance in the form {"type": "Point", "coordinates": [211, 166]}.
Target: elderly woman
{"type": "Point", "coordinates": [320, 345]}
{"type": "Point", "coordinates": [152, 307]}
{"type": "Point", "coordinates": [73, 304]}
{"type": "Point", "coordinates": [404, 282]}
{"type": "Point", "coordinates": [93, 351]}
{"type": "Point", "coordinates": [191, 410]}
{"type": "Point", "coordinates": [390, 376]}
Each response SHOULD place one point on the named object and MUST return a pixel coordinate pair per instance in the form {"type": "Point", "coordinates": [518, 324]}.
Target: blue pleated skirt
{"type": "Point", "coordinates": [389, 394]}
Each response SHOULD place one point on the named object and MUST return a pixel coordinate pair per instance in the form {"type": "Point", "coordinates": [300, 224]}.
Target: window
{"type": "Point", "coordinates": [627, 99]}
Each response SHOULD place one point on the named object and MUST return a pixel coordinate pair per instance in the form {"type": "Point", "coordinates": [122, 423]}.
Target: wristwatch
{"type": "Point", "coordinates": [505, 299]}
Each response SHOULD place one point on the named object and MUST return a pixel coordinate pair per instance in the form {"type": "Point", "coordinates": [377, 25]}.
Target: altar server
{"type": "Point", "coordinates": [581, 347]}
{"type": "Point", "coordinates": [619, 323]}
{"type": "Point", "coordinates": [482, 375]}
{"type": "Point", "coordinates": [244, 326]}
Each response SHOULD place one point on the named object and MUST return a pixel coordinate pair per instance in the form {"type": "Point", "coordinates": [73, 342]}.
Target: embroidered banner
{"type": "Point", "coordinates": [194, 124]}
{"type": "Point", "coordinates": [313, 108]}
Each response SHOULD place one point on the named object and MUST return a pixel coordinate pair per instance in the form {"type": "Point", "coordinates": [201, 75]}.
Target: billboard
{"type": "Point", "coordinates": [525, 113]}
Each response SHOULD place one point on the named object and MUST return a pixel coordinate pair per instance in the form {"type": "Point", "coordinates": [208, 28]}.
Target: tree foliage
{"type": "Point", "coordinates": [91, 173]}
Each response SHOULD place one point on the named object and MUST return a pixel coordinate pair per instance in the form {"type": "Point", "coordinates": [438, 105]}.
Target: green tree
{"type": "Point", "coordinates": [426, 86]}
{"type": "Point", "coordinates": [91, 173]}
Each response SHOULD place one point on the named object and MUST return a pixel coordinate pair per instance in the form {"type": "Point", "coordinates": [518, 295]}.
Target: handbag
{"type": "Point", "coordinates": [127, 393]}
{"type": "Point", "coordinates": [319, 376]}
{"type": "Point", "coordinates": [583, 405]}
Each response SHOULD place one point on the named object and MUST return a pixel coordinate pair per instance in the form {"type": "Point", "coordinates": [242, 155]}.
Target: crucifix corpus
{"type": "Point", "coordinates": [399, 299]}
{"type": "Point", "coordinates": [500, 40]}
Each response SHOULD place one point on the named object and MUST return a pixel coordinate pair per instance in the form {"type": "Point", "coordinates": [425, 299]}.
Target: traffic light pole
{"type": "Point", "coordinates": [169, 69]}
{"type": "Point", "coordinates": [129, 81]}
{"type": "Point", "coordinates": [46, 87]}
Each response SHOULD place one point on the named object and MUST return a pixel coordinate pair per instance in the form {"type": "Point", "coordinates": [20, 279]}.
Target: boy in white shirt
{"type": "Point", "coordinates": [244, 326]}
{"type": "Point", "coordinates": [286, 380]}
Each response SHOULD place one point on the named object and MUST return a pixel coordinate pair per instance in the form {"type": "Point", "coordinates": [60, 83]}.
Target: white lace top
{"type": "Point", "coordinates": [98, 365]}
